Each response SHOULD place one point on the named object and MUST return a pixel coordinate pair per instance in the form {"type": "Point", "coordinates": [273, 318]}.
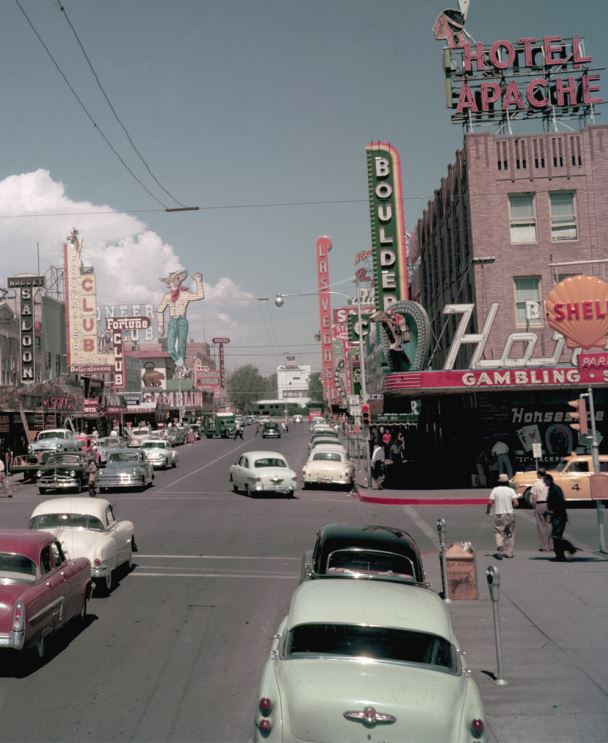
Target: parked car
{"type": "Point", "coordinates": [160, 453]}
{"type": "Point", "coordinates": [328, 445]}
{"type": "Point", "coordinates": [88, 527]}
{"type": "Point", "coordinates": [46, 443]}
{"type": "Point", "coordinates": [125, 468]}
{"type": "Point", "coordinates": [328, 467]}
{"type": "Point", "coordinates": [40, 589]}
{"type": "Point", "coordinates": [63, 471]}
{"type": "Point", "coordinates": [262, 472]}
{"type": "Point", "coordinates": [364, 551]}
{"type": "Point", "coordinates": [271, 430]}
{"type": "Point", "coordinates": [323, 438]}
{"type": "Point", "coordinates": [571, 474]}
{"type": "Point", "coordinates": [367, 661]}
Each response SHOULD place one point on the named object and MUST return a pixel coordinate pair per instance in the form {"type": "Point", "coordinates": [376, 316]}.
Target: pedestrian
{"type": "Point", "coordinates": [386, 441]}
{"type": "Point", "coordinates": [4, 481]}
{"type": "Point", "coordinates": [503, 499]}
{"type": "Point", "coordinates": [238, 430]}
{"type": "Point", "coordinates": [538, 500]}
{"type": "Point", "coordinates": [8, 460]}
{"type": "Point", "coordinates": [92, 470]}
{"type": "Point", "coordinates": [556, 503]}
{"type": "Point", "coordinates": [378, 468]}
{"type": "Point", "coordinates": [500, 451]}
{"type": "Point", "coordinates": [190, 437]}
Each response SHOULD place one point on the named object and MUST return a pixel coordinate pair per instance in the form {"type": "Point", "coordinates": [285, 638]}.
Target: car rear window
{"type": "Point", "coordinates": [370, 562]}
{"type": "Point", "coordinates": [16, 568]}
{"type": "Point", "coordinates": [270, 462]}
{"type": "Point", "coordinates": [377, 643]}
{"type": "Point", "coordinates": [327, 456]}
{"type": "Point", "coordinates": [74, 520]}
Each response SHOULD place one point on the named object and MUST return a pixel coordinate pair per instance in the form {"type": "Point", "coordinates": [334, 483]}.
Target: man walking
{"type": "Point", "coordinates": [377, 463]}
{"type": "Point", "coordinates": [538, 499]}
{"type": "Point", "coordinates": [238, 430]}
{"type": "Point", "coordinates": [556, 503]}
{"type": "Point", "coordinates": [4, 481]}
{"type": "Point", "coordinates": [503, 499]}
{"type": "Point", "coordinates": [92, 470]}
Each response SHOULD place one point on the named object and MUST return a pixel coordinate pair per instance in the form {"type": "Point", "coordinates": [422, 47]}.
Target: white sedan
{"type": "Point", "coordinates": [367, 661]}
{"type": "Point", "coordinates": [262, 472]}
{"type": "Point", "coordinates": [159, 453]}
{"type": "Point", "coordinates": [328, 466]}
{"type": "Point", "coordinates": [88, 527]}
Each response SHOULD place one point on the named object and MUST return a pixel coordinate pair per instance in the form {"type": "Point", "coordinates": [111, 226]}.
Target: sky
{"type": "Point", "coordinates": [258, 112]}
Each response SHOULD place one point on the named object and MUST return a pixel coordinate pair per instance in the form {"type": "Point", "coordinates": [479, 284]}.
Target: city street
{"type": "Point", "coordinates": [175, 652]}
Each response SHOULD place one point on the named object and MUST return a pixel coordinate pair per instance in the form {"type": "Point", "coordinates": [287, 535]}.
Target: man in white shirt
{"type": "Point", "coordinates": [377, 463]}
{"type": "Point", "coordinates": [503, 499]}
{"type": "Point", "coordinates": [500, 451]}
{"type": "Point", "coordinates": [538, 498]}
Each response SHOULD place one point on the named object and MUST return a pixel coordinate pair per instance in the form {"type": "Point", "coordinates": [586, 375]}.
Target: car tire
{"type": "Point", "coordinates": [42, 491]}
{"type": "Point", "coordinates": [247, 491]}
{"type": "Point", "coordinates": [527, 498]}
{"type": "Point", "coordinates": [173, 464]}
{"type": "Point", "coordinates": [304, 486]}
{"type": "Point", "coordinates": [290, 493]}
{"type": "Point", "coordinates": [142, 486]}
{"type": "Point", "coordinates": [40, 648]}
{"type": "Point", "coordinates": [82, 615]}
{"type": "Point", "coordinates": [103, 586]}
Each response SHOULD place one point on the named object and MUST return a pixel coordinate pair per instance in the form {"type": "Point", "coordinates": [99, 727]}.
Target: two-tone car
{"type": "Point", "coordinates": [271, 430]}
{"type": "Point", "coordinates": [125, 468]}
{"type": "Point", "coordinates": [366, 660]}
{"type": "Point", "coordinates": [364, 551]}
{"type": "Point", "coordinates": [41, 589]}
{"type": "Point", "coordinates": [88, 527]}
{"type": "Point", "coordinates": [328, 466]}
{"type": "Point", "coordinates": [159, 453]}
{"type": "Point", "coordinates": [63, 471]}
{"type": "Point", "coordinates": [262, 472]}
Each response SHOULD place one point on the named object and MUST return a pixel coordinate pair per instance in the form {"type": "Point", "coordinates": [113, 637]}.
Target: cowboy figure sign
{"type": "Point", "coordinates": [177, 301]}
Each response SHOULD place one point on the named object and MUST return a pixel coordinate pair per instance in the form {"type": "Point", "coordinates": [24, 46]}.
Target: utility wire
{"type": "Point", "coordinates": [116, 116]}
{"type": "Point", "coordinates": [84, 108]}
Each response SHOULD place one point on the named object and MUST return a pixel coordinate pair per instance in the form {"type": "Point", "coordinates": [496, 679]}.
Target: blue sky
{"type": "Point", "coordinates": [233, 103]}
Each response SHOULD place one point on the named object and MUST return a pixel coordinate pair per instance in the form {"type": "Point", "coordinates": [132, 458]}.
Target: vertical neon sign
{"type": "Point", "coordinates": [324, 245]}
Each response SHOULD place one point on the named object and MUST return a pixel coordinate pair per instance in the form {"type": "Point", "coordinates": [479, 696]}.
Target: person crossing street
{"type": "Point", "coordinates": [503, 500]}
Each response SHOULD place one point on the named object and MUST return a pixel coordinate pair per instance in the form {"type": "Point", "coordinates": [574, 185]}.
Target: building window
{"type": "Point", "coordinates": [529, 309]}
{"type": "Point", "coordinates": [522, 218]}
{"type": "Point", "coordinates": [563, 216]}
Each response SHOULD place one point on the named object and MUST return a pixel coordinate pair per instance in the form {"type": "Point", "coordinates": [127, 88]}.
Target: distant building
{"type": "Point", "coordinates": [293, 382]}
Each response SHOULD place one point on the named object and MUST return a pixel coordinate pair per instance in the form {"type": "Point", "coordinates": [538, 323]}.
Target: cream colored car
{"type": "Point", "coordinates": [571, 474]}
{"type": "Point", "coordinates": [328, 465]}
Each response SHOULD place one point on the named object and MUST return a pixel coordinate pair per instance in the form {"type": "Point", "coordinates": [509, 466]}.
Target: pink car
{"type": "Point", "coordinates": [40, 590]}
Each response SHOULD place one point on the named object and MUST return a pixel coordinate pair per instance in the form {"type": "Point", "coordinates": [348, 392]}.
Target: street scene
{"type": "Point", "coordinates": [304, 372]}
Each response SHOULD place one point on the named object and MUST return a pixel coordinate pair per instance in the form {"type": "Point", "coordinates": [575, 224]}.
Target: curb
{"type": "Point", "coordinates": [431, 501]}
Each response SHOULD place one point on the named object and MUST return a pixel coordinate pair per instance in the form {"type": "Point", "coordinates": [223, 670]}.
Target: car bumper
{"type": "Point", "coordinates": [158, 463]}
{"type": "Point", "coordinates": [100, 571]}
{"type": "Point", "coordinates": [118, 482]}
{"type": "Point", "coordinates": [13, 640]}
{"type": "Point", "coordinates": [58, 484]}
{"type": "Point", "coordinates": [283, 487]}
{"type": "Point", "coordinates": [326, 480]}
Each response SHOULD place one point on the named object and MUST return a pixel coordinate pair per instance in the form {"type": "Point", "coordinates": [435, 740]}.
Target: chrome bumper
{"type": "Point", "coordinates": [13, 640]}
{"type": "Point", "coordinates": [100, 571]}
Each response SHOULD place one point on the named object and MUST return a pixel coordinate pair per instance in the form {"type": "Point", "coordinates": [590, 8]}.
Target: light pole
{"type": "Point", "coordinates": [280, 301]}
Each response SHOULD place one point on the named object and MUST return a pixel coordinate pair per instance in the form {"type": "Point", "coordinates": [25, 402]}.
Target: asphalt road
{"type": "Point", "coordinates": [175, 652]}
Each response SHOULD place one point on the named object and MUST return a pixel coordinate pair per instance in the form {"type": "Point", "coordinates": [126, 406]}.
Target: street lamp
{"type": "Point", "coordinates": [280, 301]}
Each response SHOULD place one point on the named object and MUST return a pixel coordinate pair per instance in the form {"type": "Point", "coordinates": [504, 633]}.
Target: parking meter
{"type": "Point", "coordinates": [493, 578]}
{"type": "Point", "coordinates": [441, 531]}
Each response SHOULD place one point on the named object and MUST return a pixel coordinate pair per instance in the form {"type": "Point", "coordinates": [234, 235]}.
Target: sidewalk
{"type": "Point", "coordinates": [554, 627]}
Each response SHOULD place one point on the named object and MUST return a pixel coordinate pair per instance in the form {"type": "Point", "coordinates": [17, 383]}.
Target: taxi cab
{"type": "Point", "coordinates": [571, 474]}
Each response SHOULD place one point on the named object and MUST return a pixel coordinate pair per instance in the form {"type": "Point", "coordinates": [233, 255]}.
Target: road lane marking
{"type": "Point", "coordinates": [423, 525]}
{"type": "Point", "coordinates": [213, 461]}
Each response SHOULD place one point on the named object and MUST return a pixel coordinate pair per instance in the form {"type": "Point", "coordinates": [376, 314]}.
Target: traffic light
{"type": "Point", "coordinates": [579, 416]}
{"type": "Point", "coordinates": [365, 414]}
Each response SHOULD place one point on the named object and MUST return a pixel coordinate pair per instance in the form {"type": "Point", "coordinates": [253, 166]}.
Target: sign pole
{"type": "Point", "coordinates": [595, 456]}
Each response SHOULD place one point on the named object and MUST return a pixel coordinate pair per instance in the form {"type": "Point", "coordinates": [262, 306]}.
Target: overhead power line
{"type": "Point", "coordinates": [116, 116]}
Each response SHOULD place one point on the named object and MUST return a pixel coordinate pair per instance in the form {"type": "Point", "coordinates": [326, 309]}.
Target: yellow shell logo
{"type": "Point", "coordinates": [577, 308]}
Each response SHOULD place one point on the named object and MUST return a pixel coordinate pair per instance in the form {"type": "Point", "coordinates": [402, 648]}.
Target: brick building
{"type": "Point", "coordinates": [513, 217]}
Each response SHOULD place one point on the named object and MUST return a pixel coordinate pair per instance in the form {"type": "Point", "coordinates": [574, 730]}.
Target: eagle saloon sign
{"type": "Point", "coordinates": [387, 224]}
{"type": "Point", "coordinates": [26, 286]}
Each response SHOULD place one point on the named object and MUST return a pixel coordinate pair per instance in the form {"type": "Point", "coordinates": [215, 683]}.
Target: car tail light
{"type": "Point", "coordinates": [265, 727]}
{"type": "Point", "coordinates": [19, 618]}
{"type": "Point", "coordinates": [265, 706]}
{"type": "Point", "coordinates": [477, 728]}
{"type": "Point", "coordinates": [97, 562]}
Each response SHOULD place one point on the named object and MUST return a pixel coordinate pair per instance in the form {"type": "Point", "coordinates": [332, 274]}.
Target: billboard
{"type": "Point", "coordinates": [26, 286]}
{"type": "Point", "coordinates": [136, 335]}
{"type": "Point", "coordinates": [323, 247]}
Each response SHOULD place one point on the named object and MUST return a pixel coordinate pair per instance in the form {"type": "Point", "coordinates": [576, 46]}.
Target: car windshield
{"type": "Point", "coordinates": [370, 562]}
{"type": "Point", "coordinates": [327, 456]}
{"type": "Point", "coordinates": [123, 456]}
{"type": "Point", "coordinates": [69, 459]}
{"type": "Point", "coordinates": [73, 520]}
{"type": "Point", "coordinates": [270, 462]}
{"type": "Point", "coordinates": [50, 435]}
{"type": "Point", "coordinates": [377, 643]}
{"type": "Point", "coordinates": [16, 569]}
{"type": "Point", "coordinates": [153, 445]}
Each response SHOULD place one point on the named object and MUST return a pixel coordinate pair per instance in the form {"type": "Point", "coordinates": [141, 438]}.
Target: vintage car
{"type": "Point", "coordinates": [46, 443]}
{"type": "Point", "coordinates": [40, 589]}
{"type": "Point", "coordinates": [324, 437]}
{"type": "Point", "coordinates": [159, 453]}
{"type": "Point", "coordinates": [63, 471]}
{"type": "Point", "coordinates": [125, 468]}
{"type": "Point", "coordinates": [367, 661]}
{"type": "Point", "coordinates": [262, 472]}
{"type": "Point", "coordinates": [328, 466]}
{"type": "Point", "coordinates": [364, 551]}
{"type": "Point", "coordinates": [107, 443]}
{"type": "Point", "coordinates": [271, 430]}
{"type": "Point", "coordinates": [136, 435]}
{"type": "Point", "coordinates": [571, 474]}
{"type": "Point", "coordinates": [88, 527]}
